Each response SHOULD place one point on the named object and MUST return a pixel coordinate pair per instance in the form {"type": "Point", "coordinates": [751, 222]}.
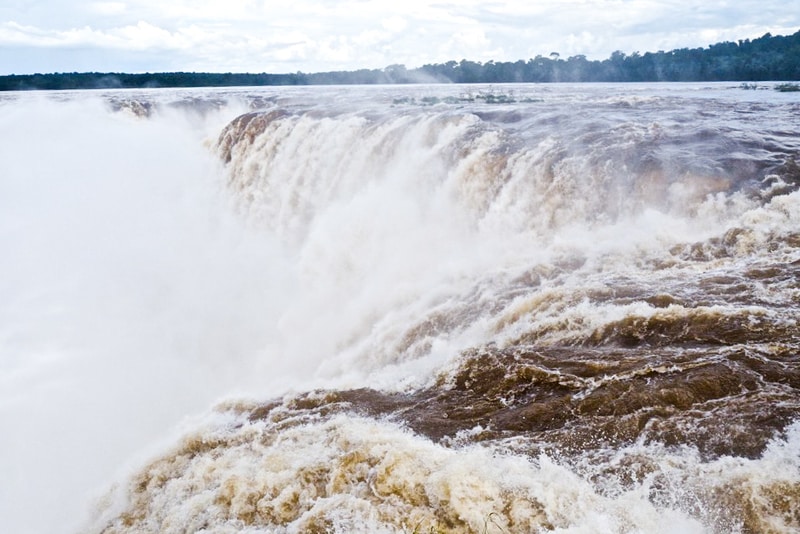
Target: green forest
{"type": "Point", "coordinates": [767, 58]}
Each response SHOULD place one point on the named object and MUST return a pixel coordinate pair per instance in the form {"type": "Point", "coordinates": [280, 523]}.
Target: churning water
{"type": "Point", "coordinates": [401, 309]}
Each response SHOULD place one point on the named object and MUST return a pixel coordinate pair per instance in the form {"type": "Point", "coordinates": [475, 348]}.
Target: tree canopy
{"type": "Point", "coordinates": [768, 57]}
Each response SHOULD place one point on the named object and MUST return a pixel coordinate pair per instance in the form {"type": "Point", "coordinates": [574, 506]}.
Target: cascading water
{"type": "Point", "coordinates": [449, 309]}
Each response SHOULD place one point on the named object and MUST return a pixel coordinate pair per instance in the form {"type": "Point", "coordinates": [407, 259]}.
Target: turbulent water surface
{"type": "Point", "coordinates": [401, 309]}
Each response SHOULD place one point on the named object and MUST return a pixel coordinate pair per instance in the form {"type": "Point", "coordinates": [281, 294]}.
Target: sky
{"type": "Point", "coordinates": [324, 35]}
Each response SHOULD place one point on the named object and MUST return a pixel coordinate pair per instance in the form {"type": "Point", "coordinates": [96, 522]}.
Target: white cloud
{"type": "Point", "coordinates": [225, 35]}
{"type": "Point", "coordinates": [394, 24]}
{"type": "Point", "coordinates": [108, 8]}
{"type": "Point", "coordinates": [144, 36]}
{"type": "Point", "coordinates": [12, 33]}
{"type": "Point", "coordinates": [141, 36]}
{"type": "Point", "coordinates": [469, 43]}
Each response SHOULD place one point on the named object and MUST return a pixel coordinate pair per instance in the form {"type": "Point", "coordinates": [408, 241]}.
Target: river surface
{"type": "Point", "coordinates": [446, 308]}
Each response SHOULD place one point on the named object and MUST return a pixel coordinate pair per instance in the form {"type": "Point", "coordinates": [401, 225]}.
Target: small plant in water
{"type": "Point", "coordinates": [787, 87]}
{"type": "Point", "coordinates": [496, 98]}
{"type": "Point", "coordinates": [490, 520]}
{"type": "Point", "coordinates": [431, 530]}
{"type": "Point", "coordinates": [490, 525]}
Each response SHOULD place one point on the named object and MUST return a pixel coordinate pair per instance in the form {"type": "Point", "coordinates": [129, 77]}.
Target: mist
{"type": "Point", "coordinates": [131, 295]}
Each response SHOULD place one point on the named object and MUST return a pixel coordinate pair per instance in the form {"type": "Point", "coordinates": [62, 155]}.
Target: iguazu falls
{"type": "Point", "coordinates": [508, 308]}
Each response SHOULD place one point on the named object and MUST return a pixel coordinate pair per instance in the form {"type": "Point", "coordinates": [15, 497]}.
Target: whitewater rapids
{"type": "Point", "coordinates": [522, 308]}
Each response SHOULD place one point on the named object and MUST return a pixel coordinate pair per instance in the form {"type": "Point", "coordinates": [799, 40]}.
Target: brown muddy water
{"type": "Point", "coordinates": [552, 308]}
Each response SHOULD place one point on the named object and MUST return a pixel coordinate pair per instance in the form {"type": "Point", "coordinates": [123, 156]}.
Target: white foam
{"type": "Point", "coordinates": [354, 474]}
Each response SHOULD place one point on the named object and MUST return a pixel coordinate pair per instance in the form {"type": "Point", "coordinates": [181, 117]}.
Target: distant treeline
{"type": "Point", "coordinates": [766, 58]}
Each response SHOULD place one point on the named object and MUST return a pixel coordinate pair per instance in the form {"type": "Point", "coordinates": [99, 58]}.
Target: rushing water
{"type": "Point", "coordinates": [477, 309]}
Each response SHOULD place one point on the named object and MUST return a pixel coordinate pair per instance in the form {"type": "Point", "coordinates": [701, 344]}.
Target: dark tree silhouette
{"type": "Point", "coordinates": [766, 58]}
